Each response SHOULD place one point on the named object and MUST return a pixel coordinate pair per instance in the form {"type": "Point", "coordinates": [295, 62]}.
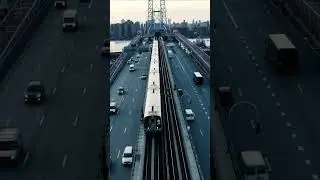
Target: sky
{"type": "Point", "coordinates": [177, 10]}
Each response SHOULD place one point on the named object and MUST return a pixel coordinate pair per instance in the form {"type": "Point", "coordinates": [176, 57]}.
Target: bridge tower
{"type": "Point", "coordinates": [157, 17]}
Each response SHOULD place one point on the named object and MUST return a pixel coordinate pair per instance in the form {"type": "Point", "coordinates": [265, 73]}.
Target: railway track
{"type": "Point", "coordinates": [174, 161]}
{"type": "Point", "coordinates": [152, 161]}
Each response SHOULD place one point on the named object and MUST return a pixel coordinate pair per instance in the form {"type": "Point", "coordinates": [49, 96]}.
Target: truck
{"type": "Point", "coordinates": [281, 53]}
{"type": "Point", "coordinates": [170, 54]}
{"type": "Point", "coordinates": [11, 146]}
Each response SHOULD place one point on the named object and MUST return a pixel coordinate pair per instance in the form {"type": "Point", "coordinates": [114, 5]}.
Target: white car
{"type": "Point", "coordinates": [127, 156]}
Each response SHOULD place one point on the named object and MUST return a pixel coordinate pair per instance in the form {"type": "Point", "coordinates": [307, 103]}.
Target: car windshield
{"type": "Point", "coordinates": [127, 155]}
{"type": "Point", "coordinates": [68, 20]}
{"type": "Point", "coordinates": [33, 88]}
{"type": "Point", "coordinates": [8, 145]}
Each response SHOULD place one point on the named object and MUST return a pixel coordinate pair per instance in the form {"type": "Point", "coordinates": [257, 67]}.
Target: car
{"type": "Point", "coordinates": [143, 76]}
{"type": "Point", "coordinates": [113, 108]}
{"type": "Point", "coordinates": [60, 4]}
{"type": "Point", "coordinates": [136, 60]}
{"type": "Point", "coordinates": [35, 92]}
{"type": "Point", "coordinates": [121, 91]}
{"type": "Point", "coordinates": [127, 156]}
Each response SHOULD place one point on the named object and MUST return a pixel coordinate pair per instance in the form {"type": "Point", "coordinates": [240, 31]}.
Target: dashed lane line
{"type": "Point", "coordinates": [84, 90]}
{"type": "Point", "coordinates": [76, 121]}
{"type": "Point", "coordinates": [64, 161]}
{"type": "Point", "coordinates": [26, 159]}
{"type": "Point", "coordinates": [240, 92]}
{"type": "Point", "coordinates": [299, 88]}
{"type": "Point", "coordinates": [201, 132]}
{"type": "Point", "coordinates": [41, 120]}
{"type": "Point", "coordinates": [300, 148]}
{"type": "Point", "coordinates": [125, 130]}
{"type": "Point", "coordinates": [54, 91]}
{"type": "Point", "coordinates": [118, 154]}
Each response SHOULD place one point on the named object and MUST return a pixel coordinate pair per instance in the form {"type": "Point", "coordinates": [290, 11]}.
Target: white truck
{"type": "Point", "coordinates": [170, 54]}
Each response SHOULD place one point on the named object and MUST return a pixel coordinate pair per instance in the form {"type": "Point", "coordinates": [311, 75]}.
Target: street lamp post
{"type": "Point", "coordinates": [256, 122]}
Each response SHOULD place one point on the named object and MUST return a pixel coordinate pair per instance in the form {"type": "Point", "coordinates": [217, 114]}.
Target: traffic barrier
{"type": "Point", "coordinates": [17, 39]}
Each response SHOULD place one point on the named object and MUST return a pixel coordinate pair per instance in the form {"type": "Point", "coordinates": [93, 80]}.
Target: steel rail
{"type": "Point", "coordinates": [180, 171]}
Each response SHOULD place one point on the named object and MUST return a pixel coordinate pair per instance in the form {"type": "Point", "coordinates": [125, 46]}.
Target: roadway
{"type": "Point", "coordinates": [182, 70]}
{"type": "Point", "coordinates": [63, 135]}
{"type": "Point", "coordinates": [287, 105]}
{"type": "Point", "coordinates": [124, 126]}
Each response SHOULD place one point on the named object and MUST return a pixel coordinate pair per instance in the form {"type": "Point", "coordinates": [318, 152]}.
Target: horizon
{"type": "Point", "coordinates": [176, 11]}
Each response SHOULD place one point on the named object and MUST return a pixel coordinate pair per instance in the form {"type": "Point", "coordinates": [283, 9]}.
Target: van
{"type": "Point", "coordinates": [11, 147]}
{"type": "Point", "coordinates": [127, 156]}
{"type": "Point", "coordinates": [189, 115]}
{"type": "Point", "coordinates": [131, 67]}
{"type": "Point", "coordinates": [70, 20]}
{"type": "Point", "coordinates": [254, 165]}
{"type": "Point", "coordinates": [225, 96]}
{"type": "Point", "coordinates": [197, 78]}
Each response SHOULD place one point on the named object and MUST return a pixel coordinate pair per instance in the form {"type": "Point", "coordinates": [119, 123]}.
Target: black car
{"type": "Point", "coordinates": [35, 92]}
{"type": "Point", "coordinates": [59, 4]}
{"type": "Point", "coordinates": [225, 95]}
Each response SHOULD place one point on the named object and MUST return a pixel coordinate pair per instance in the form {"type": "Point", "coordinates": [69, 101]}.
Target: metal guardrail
{"type": "Point", "coordinates": [303, 13]}
{"type": "Point", "coordinates": [117, 66]}
{"type": "Point", "coordinates": [17, 36]}
{"type": "Point", "coordinates": [202, 57]}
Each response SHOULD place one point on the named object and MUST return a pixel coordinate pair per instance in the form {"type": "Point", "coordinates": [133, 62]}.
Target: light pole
{"type": "Point", "coordinates": [256, 122]}
{"type": "Point", "coordinates": [186, 95]}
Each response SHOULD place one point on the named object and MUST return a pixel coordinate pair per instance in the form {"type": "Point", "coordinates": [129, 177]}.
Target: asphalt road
{"type": "Point", "coordinates": [286, 104]}
{"type": "Point", "coordinates": [125, 125]}
{"type": "Point", "coordinates": [182, 69]}
{"type": "Point", "coordinates": [62, 136]}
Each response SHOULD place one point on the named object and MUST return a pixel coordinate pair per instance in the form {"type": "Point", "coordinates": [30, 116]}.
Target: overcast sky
{"type": "Point", "coordinates": [177, 10]}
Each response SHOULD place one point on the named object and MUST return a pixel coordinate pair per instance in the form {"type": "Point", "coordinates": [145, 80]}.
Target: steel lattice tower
{"type": "Point", "coordinates": [156, 15]}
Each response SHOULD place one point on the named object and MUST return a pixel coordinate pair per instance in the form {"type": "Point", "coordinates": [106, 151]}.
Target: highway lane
{"type": "Point", "coordinates": [124, 126]}
{"type": "Point", "coordinates": [199, 129]}
{"type": "Point", "coordinates": [60, 136]}
{"type": "Point", "coordinates": [273, 96]}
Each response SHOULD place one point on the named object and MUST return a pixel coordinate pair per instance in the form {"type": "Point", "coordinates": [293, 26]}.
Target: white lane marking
{"type": "Point", "coordinates": [76, 121]}
{"type": "Point", "coordinates": [283, 113]}
{"type": "Point", "coordinates": [300, 88]}
{"type": "Point", "coordinates": [125, 130]}
{"type": "Point", "coordinates": [252, 123]}
{"type": "Point", "coordinates": [300, 148]}
{"type": "Point", "coordinates": [229, 13]}
{"type": "Point", "coordinates": [264, 79]}
{"type": "Point", "coordinates": [91, 67]}
{"type": "Point", "coordinates": [230, 68]}
{"type": "Point", "coordinates": [257, 65]}
{"type": "Point", "coordinates": [315, 177]}
{"type": "Point", "coordinates": [201, 132]}
{"type": "Point", "coordinates": [63, 69]}
{"type": "Point", "coordinates": [273, 94]}
{"type": "Point", "coordinates": [26, 159]}
{"type": "Point", "coordinates": [90, 5]}
{"type": "Point", "coordinates": [240, 92]}
{"type": "Point", "coordinates": [307, 161]}
{"type": "Point", "coordinates": [136, 90]}
{"type": "Point", "coordinates": [293, 135]}
{"type": "Point", "coordinates": [268, 86]}
{"type": "Point", "coordinates": [64, 161]}
{"type": "Point", "coordinates": [278, 104]}
{"type": "Point", "coordinates": [118, 154]}
{"type": "Point", "coordinates": [288, 124]}
{"type": "Point", "coordinates": [133, 100]}
{"type": "Point", "coordinates": [253, 58]}
{"type": "Point", "coordinates": [84, 90]}
{"type": "Point", "coordinates": [110, 128]}
{"type": "Point", "coordinates": [247, 47]}
{"type": "Point", "coordinates": [54, 91]}
{"type": "Point", "coordinates": [249, 52]}
{"type": "Point", "coordinates": [41, 120]}
{"type": "Point", "coordinates": [209, 117]}
{"type": "Point", "coordinates": [129, 112]}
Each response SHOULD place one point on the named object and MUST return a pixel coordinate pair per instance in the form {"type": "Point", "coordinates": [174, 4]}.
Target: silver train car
{"type": "Point", "coordinates": [152, 106]}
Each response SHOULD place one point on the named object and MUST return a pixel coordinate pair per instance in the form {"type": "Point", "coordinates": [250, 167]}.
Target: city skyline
{"type": "Point", "coordinates": [176, 11]}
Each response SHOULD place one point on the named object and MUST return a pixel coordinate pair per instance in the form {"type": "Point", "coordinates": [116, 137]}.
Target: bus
{"type": "Point", "coordinates": [197, 78]}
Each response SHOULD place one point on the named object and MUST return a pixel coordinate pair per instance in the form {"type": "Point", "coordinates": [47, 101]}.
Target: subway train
{"type": "Point", "coordinates": [152, 106]}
